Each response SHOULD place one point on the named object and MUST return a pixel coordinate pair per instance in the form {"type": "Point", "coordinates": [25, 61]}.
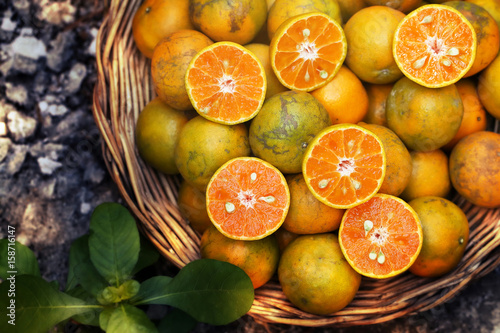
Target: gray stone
{"type": "Point", "coordinates": [69, 124]}
{"type": "Point", "coordinates": [47, 149]}
{"type": "Point", "coordinates": [56, 13]}
{"type": "Point", "coordinates": [94, 173]}
{"type": "Point", "coordinates": [7, 27]}
{"type": "Point", "coordinates": [48, 165]}
{"type": "Point", "coordinates": [20, 126]}
{"type": "Point", "coordinates": [74, 78]}
{"type": "Point", "coordinates": [91, 50]}
{"type": "Point", "coordinates": [60, 50]}
{"type": "Point", "coordinates": [16, 93]}
{"type": "Point", "coordinates": [21, 6]}
{"type": "Point", "coordinates": [57, 110]}
{"type": "Point", "coordinates": [28, 46]}
{"type": "Point", "coordinates": [5, 144]}
{"type": "Point", "coordinates": [47, 188]}
{"type": "Point", "coordinates": [15, 160]}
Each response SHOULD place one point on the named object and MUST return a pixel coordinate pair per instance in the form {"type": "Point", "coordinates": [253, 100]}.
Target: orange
{"type": "Point", "coordinates": [377, 98]}
{"type": "Point", "coordinates": [486, 28]}
{"type": "Point", "coordinates": [170, 61]}
{"type": "Point", "coordinates": [401, 5]}
{"type": "Point", "coordinates": [315, 276]}
{"type": "Point", "coordinates": [284, 237]}
{"type": "Point", "coordinates": [382, 237]}
{"type": "Point", "coordinates": [474, 119]}
{"type": "Point", "coordinates": [350, 7]}
{"type": "Point", "coordinates": [398, 164]}
{"type": "Point", "coordinates": [429, 176]}
{"type": "Point", "coordinates": [203, 146]}
{"type": "Point", "coordinates": [156, 132]}
{"type": "Point", "coordinates": [226, 83]}
{"type": "Point", "coordinates": [489, 86]}
{"type": "Point", "coordinates": [475, 168]}
{"type": "Point", "coordinates": [283, 10]}
{"type": "Point", "coordinates": [307, 51]}
{"type": "Point", "coordinates": [193, 207]}
{"type": "Point", "coordinates": [425, 119]}
{"type": "Point", "coordinates": [247, 198]}
{"type": "Point", "coordinates": [156, 19]}
{"type": "Point", "coordinates": [261, 51]}
{"type": "Point", "coordinates": [307, 215]}
{"type": "Point", "coordinates": [344, 97]}
{"type": "Point", "coordinates": [223, 20]}
{"type": "Point", "coordinates": [283, 128]}
{"type": "Point", "coordinates": [344, 165]}
{"type": "Point", "coordinates": [435, 45]}
{"type": "Point", "coordinates": [446, 234]}
{"type": "Point", "coordinates": [493, 7]}
{"type": "Point", "coordinates": [259, 258]}
{"type": "Point", "coordinates": [369, 34]}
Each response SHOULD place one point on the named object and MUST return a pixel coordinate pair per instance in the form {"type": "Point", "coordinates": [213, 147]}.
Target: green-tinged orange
{"type": "Point", "coordinates": [489, 86]}
{"type": "Point", "coordinates": [193, 206]}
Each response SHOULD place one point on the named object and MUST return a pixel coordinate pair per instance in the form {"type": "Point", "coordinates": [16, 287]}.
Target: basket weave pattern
{"type": "Point", "coordinates": [124, 87]}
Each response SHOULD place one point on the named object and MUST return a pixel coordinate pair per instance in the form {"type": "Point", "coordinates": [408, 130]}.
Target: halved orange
{"type": "Point", "coordinates": [307, 51]}
{"type": "Point", "coordinates": [344, 165]}
{"type": "Point", "coordinates": [226, 83]}
{"type": "Point", "coordinates": [435, 45]}
{"type": "Point", "coordinates": [247, 198]}
{"type": "Point", "coordinates": [381, 237]}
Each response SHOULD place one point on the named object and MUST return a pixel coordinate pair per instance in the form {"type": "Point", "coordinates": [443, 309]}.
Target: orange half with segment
{"type": "Point", "coordinates": [434, 45]}
{"type": "Point", "coordinates": [382, 237]}
{"type": "Point", "coordinates": [307, 51]}
{"type": "Point", "coordinates": [247, 198]}
{"type": "Point", "coordinates": [344, 165]}
{"type": "Point", "coordinates": [226, 83]}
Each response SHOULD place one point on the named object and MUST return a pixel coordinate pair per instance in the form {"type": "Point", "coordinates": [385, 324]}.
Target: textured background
{"type": "Point", "coordinates": [52, 174]}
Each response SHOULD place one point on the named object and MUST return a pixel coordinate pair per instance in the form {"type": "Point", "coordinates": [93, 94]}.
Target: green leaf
{"type": "Point", "coordinates": [147, 256]}
{"type": "Point", "coordinates": [104, 318]}
{"type": "Point", "coordinates": [16, 259]}
{"type": "Point", "coordinates": [211, 291]}
{"type": "Point", "coordinates": [113, 242]}
{"type": "Point", "coordinates": [87, 318]}
{"type": "Point", "coordinates": [38, 306]}
{"type": "Point", "coordinates": [127, 318]}
{"type": "Point", "coordinates": [177, 321]}
{"type": "Point", "coordinates": [81, 270]}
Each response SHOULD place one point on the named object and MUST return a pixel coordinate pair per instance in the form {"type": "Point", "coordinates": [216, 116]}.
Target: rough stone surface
{"type": "Point", "coordinates": [52, 173]}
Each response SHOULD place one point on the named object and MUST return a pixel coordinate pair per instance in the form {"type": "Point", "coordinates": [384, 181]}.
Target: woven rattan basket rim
{"type": "Point", "coordinates": [124, 86]}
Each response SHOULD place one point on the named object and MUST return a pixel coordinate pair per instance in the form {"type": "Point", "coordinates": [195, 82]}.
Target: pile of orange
{"type": "Point", "coordinates": [320, 141]}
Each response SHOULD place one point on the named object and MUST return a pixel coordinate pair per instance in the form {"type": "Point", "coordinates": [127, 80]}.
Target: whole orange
{"type": "Point", "coordinates": [350, 7]}
{"type": "Point", "coordinates": [402, 5]}
{"type": "Point", "coordinates": [156, 19]}
{"type": "Point", "coordinates": [429, 176]}
{"type": "Point", "coordinates": [344, 97]}
{"type": "Point", "coordinates": [446, 234]}
{"type": "Point", "coordinates": [284, 237]}
{"type": "Point", "coordinates": [307, 215]}
{"type": "Point", "coordinates": [192, 205]}
{"type": "Point", "coordinates": [156, 132]}
{"type": "Point", "coordinates": [489, 86]}
{"type": "Point", "coordinates": [315, 275]}
{"type": "Point", "coordinates": [283, 128]}
{"type": "Point", "coordinates": [369, 35]}
{"type": "Point", "coordinates": [399, 164]}
{"type": "Point", "coordinates": [377, 100]}
{"type": "Point", "coordinates": [474, 119]}
{"type": "Point", "coordinates": [203, 146]}
{"type": "Point", "coordinates": [282, 10]}
{"type": "Point", "coordinates": [169, 64]}
{"type": "Point", "coordinates": [424, 118]}
{"type": "Point", "coordinates": [492, 6]}
{"type": "Point", "coordinates": [486, 28]}
{"type": "Point", "coordinates": [225, 20]}
{"type": "Point", "coordinates": [475, 168]}
{"type": "Point", "coordinates": [258, 258]}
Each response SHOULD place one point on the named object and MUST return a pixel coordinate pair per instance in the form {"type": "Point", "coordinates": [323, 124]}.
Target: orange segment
{"type": "Point", "coordinates": [344, 165]}
{"type": "Point", "coordinates": [226, 83]}
{"type": "Point", "coordinates": [381, 237]}
{"type": "Point", "coordinates": [435, 45]}
{"type": "Point", "coordinates": [247, 199]}
{"type": "Point", "coordinates": [307, 51]}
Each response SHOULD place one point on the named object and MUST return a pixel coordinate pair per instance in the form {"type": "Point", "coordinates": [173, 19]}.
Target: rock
{"type": "Point", "coordinates": [5, 144]}
{"type": "Point", "coordinates": [28, 46]}
{"type": "Point", "coordinates": [69, 124]}
{"type": "Point", "coordinates": [57, 110]}
{"type": "Point", "coordinates": [47, 165]}
{"type": "Point", "coordinates": [21, 6]}
{"type": "Point", "coordinates": [60, 50]}
{"type": "Point", "coordinates": [74, 78]}
{"type": "Point", "coordinates": [14, 160]}
{"type": "Point", "coordinates": [94, 173]}
{"type": "Point", "coordinates": [85, 208]}
{"type": "Point", "coordinates": [16, 93]}
{"type": "Point", "coordinates": [47, 188]}
{"type": "Point", "coordinates": [47, 149]}
{"type": "Point", "coordinates": [56, 13]}
{"type": "Point", "coordinates": [91, 50]}
{"type": "Point", "coordinates": [7, 27]}
{"type": "Point", "coordinates": [20, 126]}
{"type": "Point", "coordinates": [3, 128]}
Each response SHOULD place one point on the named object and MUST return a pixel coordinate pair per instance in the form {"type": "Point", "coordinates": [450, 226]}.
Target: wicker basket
{"type": "Point", "coordinates": [124, 86]}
